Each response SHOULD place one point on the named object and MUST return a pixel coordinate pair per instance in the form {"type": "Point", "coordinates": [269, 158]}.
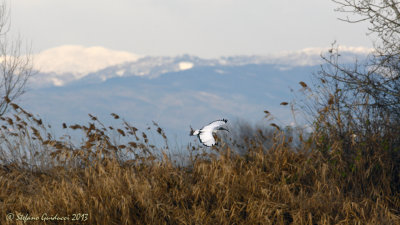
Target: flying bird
{"type": "Point", "coordinates": [205, 134]}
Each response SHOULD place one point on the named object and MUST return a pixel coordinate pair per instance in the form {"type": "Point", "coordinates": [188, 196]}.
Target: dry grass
{"type": "Point", "coordinates": [117, 177]}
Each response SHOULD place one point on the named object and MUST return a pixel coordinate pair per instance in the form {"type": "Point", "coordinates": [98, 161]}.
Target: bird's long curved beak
{"type": "Point", "coordinates": [223, 128]}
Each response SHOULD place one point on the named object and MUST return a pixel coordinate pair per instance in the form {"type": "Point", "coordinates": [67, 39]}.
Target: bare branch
{"type": "Point", "coordinates": [15, 66]}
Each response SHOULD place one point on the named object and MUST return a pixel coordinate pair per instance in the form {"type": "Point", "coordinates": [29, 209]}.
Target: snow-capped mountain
{"type": "Point", "coordinates": [62, 65]}
{"type": "Point", "coordinates": [151, 67]}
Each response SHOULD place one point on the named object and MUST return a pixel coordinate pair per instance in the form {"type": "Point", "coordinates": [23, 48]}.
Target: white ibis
{"type": "Point", "coordinates": [205, 134]}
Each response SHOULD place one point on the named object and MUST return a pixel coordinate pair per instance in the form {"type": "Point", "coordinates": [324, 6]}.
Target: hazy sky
{"type": "Point", "coordinates": [207, 28]}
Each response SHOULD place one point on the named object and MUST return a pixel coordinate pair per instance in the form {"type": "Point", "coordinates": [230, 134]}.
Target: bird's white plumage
{"type": "Point", "coordinates": [207, 139]}
{"type": "Point", "coordinates": [205, 134]}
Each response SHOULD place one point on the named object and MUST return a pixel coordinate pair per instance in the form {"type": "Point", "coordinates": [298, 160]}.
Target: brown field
{"type": "Point", "coordinates": [116, 176]}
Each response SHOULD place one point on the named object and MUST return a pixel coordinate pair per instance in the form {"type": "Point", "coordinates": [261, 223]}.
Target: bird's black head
{"type": "Point", "coordinates": [223, 128]}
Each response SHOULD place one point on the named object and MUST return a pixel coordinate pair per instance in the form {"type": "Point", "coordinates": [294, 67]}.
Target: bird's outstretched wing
{"type": "Point", "coordinates": [207, 138]}
{"type": "Point", "coordinates": [214, 125]}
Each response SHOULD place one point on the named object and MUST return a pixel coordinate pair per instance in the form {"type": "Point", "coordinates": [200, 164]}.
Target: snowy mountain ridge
{"type": "Point", "coordinates": [65, 64]}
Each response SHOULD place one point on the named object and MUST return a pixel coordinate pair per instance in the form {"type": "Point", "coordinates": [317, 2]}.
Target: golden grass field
{"type": "Point", "coordinates": [116, 176]}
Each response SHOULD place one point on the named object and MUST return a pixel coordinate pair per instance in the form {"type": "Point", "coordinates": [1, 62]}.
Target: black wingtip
{"type": "Point", "coordinates": [225, 120]}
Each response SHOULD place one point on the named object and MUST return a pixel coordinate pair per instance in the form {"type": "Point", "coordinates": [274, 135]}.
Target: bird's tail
{"type": "Point", "coordinates": [194, 132]}
{"type": "Point", "coordinates": [191, 131]}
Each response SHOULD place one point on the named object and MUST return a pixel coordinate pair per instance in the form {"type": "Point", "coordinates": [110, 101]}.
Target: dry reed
{"type": "Point", "coordinates": [116, 176]}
